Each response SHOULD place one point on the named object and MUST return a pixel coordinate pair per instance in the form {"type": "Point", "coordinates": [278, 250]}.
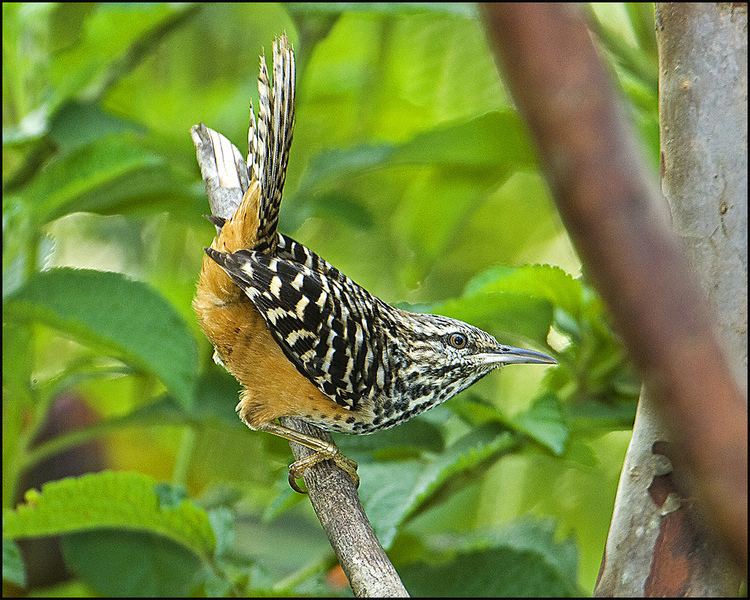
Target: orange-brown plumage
{"type": "Point", "coordinates": [271, 386]}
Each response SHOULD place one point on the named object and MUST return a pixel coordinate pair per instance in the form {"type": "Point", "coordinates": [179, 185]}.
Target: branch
{"type": "Point", "coordinates": [618, 222]}
{"type": "Point", "coordinates": [332, 493]}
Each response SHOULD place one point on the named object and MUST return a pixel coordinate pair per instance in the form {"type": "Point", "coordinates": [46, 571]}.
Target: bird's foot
{"type": "Point", "coordinates": [331, 452]}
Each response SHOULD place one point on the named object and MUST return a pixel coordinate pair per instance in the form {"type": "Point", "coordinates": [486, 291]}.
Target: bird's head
{"type": "Point", "coordinates": [445, 356]}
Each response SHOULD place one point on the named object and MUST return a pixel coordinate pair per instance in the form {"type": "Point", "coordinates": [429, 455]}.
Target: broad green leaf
{"type": "Point", "coordinates": [330, 206]}
{"type": "Point", "coordinates": [539, 281]}
{"type": "Point", "coordinates": [109, 499]}
{"type": "Point", "coordinates": [13, 568]}
{"type": "Point", "coordinates": [595, 415]}
{"type": "Point", "coordinates": [107, 48]}
{"type": "Point", "coordinates": [511, 317]}
{"type": "Point", "coordinates": [496, 140]}
{"type": "Point", "coordinates": [77, 124]}
{"type": "Point", "coordinates": [222, 524]}
{"type": "Point", "coordinates": [17, 399]}
{"type": "Point", "coordinates": [391, 492]}
{"type": "Point", "coordinates": [124, 318]}
{"type": "Point", "coordinates": [119, 563]}
{"type": "Point", "coordinates": [520, 560]}
{"type": "Point", "coordinates": [544, 423]}
{"type": "Point", "coordinates": [58, 187]}
{"type": "Point", "coordinates": [414, 436]}
{"type": "Point", "coordinates": [340, 164]}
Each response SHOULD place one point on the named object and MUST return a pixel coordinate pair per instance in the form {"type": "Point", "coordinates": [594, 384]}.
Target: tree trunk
{"type": "Point", "coordinates": [656, 545]}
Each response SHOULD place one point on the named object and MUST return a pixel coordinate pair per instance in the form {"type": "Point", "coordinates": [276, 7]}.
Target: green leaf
{"type": "Point", "coordinates": [77, 124]}
{"type": "Point", "coordinates": [544, 423]}
{"type": "Point", "coordinates": [17, 399]}
{"type": "Point", "coordinates": [509, 316]}
{"type": "Point", "coordinates": [109, 499]}
{"type": "Point", "coordinates": [414, 436]}
{"type": "Point", "coordinates": [119, 563]}
{"type": "Point", "coordinates": [520, 560]}
{"type": "Point", "coordinates": [595, 415]}
{"type": "Point", "coordinates": [124, 318]}
{"type": "Point", "coordinates": [59, 186]}
{"type": "Point", "coordinates": [496, 140]}
{"type": "Point", "coordinates": [107, 49]}
{"type": "Point", "coordinates": [222, 524]}
{"type": "Point", "coordinates": [391, 492]}
{"type": "Point", "coordinates": [13, 568]}
{"type": "Point", "coordinates": [341, 164]}
{"type": "Point", "coordinates": [539, 281]}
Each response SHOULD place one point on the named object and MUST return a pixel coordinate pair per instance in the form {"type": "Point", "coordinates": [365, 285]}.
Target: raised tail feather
{"type": "Point", "coordinates": [225, 172]}
{"type": "Point", "coordinates": [270, 138]}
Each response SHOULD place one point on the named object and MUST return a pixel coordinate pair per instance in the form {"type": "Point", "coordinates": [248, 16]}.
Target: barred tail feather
{"type": "Point", "coordinates": [270, 138]}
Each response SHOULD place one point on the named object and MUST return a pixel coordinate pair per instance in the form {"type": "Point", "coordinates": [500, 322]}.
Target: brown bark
{"type": "Point", "coordinates": [619, 224]}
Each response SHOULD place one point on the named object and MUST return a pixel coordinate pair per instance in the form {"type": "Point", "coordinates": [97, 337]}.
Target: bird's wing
{"type": "Point", "coordinates": [325, 326]}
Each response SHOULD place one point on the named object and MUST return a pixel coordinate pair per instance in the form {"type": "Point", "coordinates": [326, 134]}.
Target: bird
{"type": "Point", "coordinates": [303, 339]}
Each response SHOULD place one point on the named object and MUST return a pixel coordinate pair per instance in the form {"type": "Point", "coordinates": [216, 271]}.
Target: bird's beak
{"type": "Point", "coordinates": [508, 355]}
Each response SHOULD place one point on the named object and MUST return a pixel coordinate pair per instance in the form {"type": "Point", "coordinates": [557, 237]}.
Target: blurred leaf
{"type": "Point", "coordinates": [544, 423]}
{"type": "Point", "coordinates": [539, 281]}
{"type": "Point", "coordinates": [509, 316]}
{"type": "Point", "coordinates": [13, 568]}
{"type": "Point", "coordinates": [284, 500]}
{"type": "Point", "coordinates": [414, 436]}
{"type": "Point", "coordinates": [80, 123]}
{"type": "Point", "coordinates": [341, 164]}
{"type": "Point", "coordinates": [476, 410]}
{"type": "Point", "coordinates": [82, 179]}
{"type": "Point", "coordinates": [462, 9]}
{"type": "Point", "coordinates": [331, 206]}
{"type": "Point", "coordinates": [107, 49]}
{"type": "Point", "coordinates": [109, 499]}
{"type": "Point", "coordinates": [495, 140]}
{"type": "Point", "coordinates": [601, 416]}
{"type": "Point", "coordinates": [216, 395]}
{"type": "Point", "coordinates": [17, 398]}
{"type": "Point", "coordinates": [391, 492]}
{"type": "Point", "coordinates": [638, 63]}
{"type": "Point", "coordinates": [122, 317]}
{"type": "Point", "coordinates": [121, 563]}
{"type": "Point", "coordinates": [520, 560]}
{"type": "Point", "coordinates": [222, 524]}
{"type": "Point", "coordinates": [641, 15]}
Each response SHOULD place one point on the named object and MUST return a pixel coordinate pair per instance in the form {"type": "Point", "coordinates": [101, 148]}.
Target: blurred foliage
{"type": "Point", "coordinates": [410, 171]}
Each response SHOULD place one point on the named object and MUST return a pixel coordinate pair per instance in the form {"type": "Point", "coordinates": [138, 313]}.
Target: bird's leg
{"type": "Point", "coordinates": [323, 451]}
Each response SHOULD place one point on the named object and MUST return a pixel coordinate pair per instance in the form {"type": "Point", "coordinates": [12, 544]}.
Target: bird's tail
{"type": "Point", "coordinates": [245, 196]}
{"type": "Point", "coordinates": [270, 138]}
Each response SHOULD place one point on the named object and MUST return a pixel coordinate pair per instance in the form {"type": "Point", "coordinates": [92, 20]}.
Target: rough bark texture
{"type": "Point", "coordinates": [337, 505]}
{"type": "Point", "coordinates": [703, 113]}
{"type": "Point", "coordinates": [332, 492]}
{"type": "Point", "coordinates": [619, 223]}
{"type": "Point", "coordinates": [656, 546]}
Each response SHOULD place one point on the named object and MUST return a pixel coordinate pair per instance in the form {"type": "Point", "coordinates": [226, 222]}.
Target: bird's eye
{"type": "Point", "coordinates": [457, 340]}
